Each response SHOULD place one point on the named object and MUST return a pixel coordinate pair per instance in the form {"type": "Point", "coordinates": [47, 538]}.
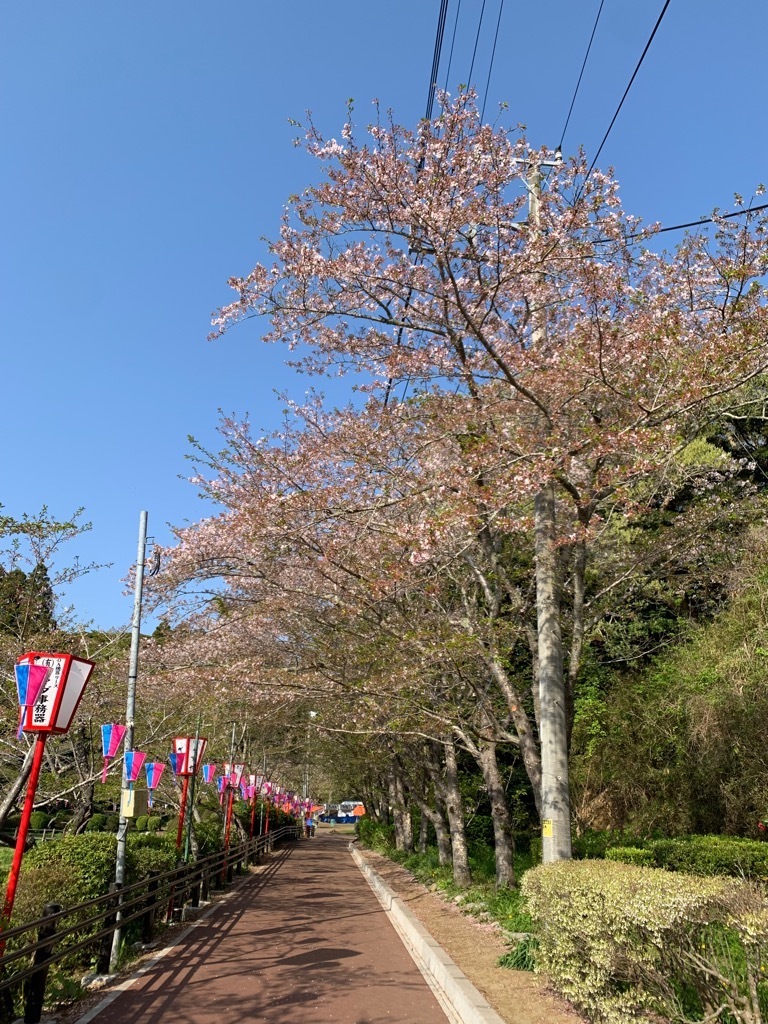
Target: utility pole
{"type": "Point", "coordinates": [553, 731]}
{"type": "Point", "coordinates": [130, 710]}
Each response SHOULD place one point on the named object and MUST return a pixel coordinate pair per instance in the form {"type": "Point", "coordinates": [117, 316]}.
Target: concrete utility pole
{"type": "Point", "coordinates": [130, 710]}
{"type": "Point", "coordinates": [553, 732]}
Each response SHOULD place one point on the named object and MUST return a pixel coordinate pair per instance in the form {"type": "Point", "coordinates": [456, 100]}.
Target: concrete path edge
{"type": "Point", "coordinates": [461, 996]}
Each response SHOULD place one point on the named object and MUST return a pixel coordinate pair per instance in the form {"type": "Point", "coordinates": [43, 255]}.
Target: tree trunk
{"type": "Point", "coordinates": [83, 809]}
{"type": "Point", "coordinates": [423, 834]}
{"type": "Point", "coordinates": [436, 819]}
{"type": "Point", "coordinates": [503, 835]}
{"type": "Point", "coordinates": [451, 795]}
{"type": "Point", "coordinates": [555, 799]}
{"type": "Point", "coordinates": [9, 800]}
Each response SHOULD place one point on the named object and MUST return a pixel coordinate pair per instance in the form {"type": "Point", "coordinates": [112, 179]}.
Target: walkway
{"type": "Point", "coordinates": [303, 942]}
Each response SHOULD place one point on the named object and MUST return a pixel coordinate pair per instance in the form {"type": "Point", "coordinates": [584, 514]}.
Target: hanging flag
{"type": "Point", "coordinates": [154, 770]}
{"type": "Point", "coordinates": [111, 738]}
{"type": "Point", "coordinates": [30, 680]}
{"type": "Point", "coordinates": [134, 759]}
{"type": "Point", "coordinates": [221, 785]}
{"type": "Point", "coordinates": [209, 772]}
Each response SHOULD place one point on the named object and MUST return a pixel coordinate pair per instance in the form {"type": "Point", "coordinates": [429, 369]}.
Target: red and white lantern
{"type": "Point", "coordinates": [56, 703]}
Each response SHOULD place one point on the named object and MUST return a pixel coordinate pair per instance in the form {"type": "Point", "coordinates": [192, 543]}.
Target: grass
{"type": "Point", "coordinates": [482, 899]}
{"type": "Point", "coordinates": [6, 856]}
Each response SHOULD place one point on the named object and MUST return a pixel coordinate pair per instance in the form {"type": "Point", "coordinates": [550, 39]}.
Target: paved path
{"type": "Point", "coordinates": [304, 942]}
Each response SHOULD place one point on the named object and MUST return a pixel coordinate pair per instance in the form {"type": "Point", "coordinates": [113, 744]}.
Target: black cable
{"type": "Point", "coordinates": [493, 54]}
{"type": "Point", "coordinates": [626, 91]}
{"type": "Point", "coordinates": [581, 73]}
{"type": "Point", "coordinates": [477, 38]}
{"type": "Point", "coordinates": [453, 41]}
{"type": "Point", "coordinates": [707, 220]}
{"type": "Point", "coordinates": [436, 57]}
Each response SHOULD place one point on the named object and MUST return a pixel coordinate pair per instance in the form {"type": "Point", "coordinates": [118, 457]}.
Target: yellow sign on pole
{"type": "Point", "coordinates": [547, 828]}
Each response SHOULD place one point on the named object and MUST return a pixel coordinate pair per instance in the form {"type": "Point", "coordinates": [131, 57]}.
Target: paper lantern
{"type": "Point", "coordinates": [58, 695]}
{"type": "Point", "coordinates": [209, 772]}
{"type": "Point", "coordinates": [134, 759]}
{"type": "Point", "coordinates": [111, 738]}
{"type": "Point", "coordinates": [190, 753]}
{"type": "Point", "coordinates": [154, 770]}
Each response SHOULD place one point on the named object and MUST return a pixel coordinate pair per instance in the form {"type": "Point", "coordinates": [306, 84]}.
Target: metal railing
{"type": "Point", "coordinates": [81, 936]}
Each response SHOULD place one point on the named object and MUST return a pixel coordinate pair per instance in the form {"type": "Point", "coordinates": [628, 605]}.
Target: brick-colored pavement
{"type": "Point", "coordinates": [304, 942]}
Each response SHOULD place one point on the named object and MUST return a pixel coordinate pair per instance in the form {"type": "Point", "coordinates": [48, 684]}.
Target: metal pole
{"type": "Point", "coordinates": [130, 710]}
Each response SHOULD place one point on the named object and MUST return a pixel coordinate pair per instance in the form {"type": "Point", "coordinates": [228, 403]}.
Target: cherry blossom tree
{"type": "Point", "coordinates": [537, 369]}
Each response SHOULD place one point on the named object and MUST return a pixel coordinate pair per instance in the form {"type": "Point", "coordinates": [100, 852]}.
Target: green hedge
{"type": "Point", "coordinates": [66, 870]}
{"type": "Point", "coordinates": [622, 942]}
{"type": "Point", "coordinates": [712, 855]}
{"type": "Point", "coordinates": [96, 823]}
{"type": "Point", "coordinates": [148, 852]}
{"type": "Point", "coordinates": [631, 855]}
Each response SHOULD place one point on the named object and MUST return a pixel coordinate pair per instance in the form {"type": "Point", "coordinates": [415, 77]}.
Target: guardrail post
{"type": "Point", "coordinates": [34, 986]}
{"type": "Point", "coordinates": [205, 883]}
{"type": "Point", "coordinates": [105, 946]}
{"type": "Point", "coordinates": [148, 918]}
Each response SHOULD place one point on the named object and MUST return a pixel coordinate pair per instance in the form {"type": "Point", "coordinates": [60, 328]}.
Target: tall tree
{"type": "Point", "coordinates": [553, 362]}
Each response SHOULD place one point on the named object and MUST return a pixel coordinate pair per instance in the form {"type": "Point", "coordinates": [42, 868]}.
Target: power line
{"type": "Point", "coordinates": [581, 73]}
{"type": "Point", "coordinates": [626, 91]}
{"type": "Point", "coordinates": [453, 41]}
{"type": "Point", "coordinates": [436, 57]}
{"type": "Point", "coordinates": [477, 38]}
{"type": "Point", "coordinates": [709, 220]}
{"type": "Point", "coordinates": [493, 54]}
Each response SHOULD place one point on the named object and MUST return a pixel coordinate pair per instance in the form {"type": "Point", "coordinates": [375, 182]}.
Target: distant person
{"type": "Point", "coordinates": [309, 827]}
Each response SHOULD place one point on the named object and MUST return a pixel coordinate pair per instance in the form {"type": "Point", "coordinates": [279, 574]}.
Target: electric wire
{"type": "Point", "coordinates": [708, 220]}
{"type": "Point", "coordinates": [439, 34]}
{"type": "Point", "coordinates": [493, 54]}
{"type": "Point", "coordinates": [436, 57]}
{"type": "Point", "coordinates": [477, 39]}
{"type": "Point", "coordinates": [581, 75]}
{"type": "Point", "coordinates": [626, 91]}
{"type": "Point", "coordinates": [453, 43]}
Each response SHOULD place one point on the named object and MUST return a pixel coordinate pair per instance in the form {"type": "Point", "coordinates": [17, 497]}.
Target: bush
{"type": "Point", "coordinates": [38, 820]}
{"type": "Point", "coordinates": [712, 855]}
{"type": "Point", "coordinates": [146, 853]}
{"type": "Point", "coordinates": [113, 823]}
{"type": "Point", "coordinates": [154, 823]}
{"type": "Point", "coordinates": [96, 823]}
{"type": "Point", "coordinates": [141, 823]}
{"type": "Point", "coordinates": [622, 941]}
{"type": "Point", "coordinates": [631, 855]}
{"type": "Point", "coordinates": [67, 870]}
{"type": "Point", "coordinates": [209, 834]}
{"type": "Point", "coordinates": [376, 834]}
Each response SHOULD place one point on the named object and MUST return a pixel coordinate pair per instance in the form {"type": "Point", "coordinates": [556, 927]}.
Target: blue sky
{"type": "Point", "coordinates": [147, 150]}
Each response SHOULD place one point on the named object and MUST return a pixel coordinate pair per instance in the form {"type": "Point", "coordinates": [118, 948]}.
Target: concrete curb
{"type": "Point", "coordinates": [458, 993]}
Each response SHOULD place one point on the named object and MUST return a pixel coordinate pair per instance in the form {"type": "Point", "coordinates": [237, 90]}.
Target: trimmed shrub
{"type": "Point", "coordinates": [622, 941]}
{"type": "Point", "coordinates": [141, 823]}
{"type": "Point", "coordinates": [38, 820]}
{"type": "Point", "coordinates": [113, 823]}
{"type": "Point", "coordinates": [631, 855]}
{"type": "Point", "coordinates": [66, 870]}
{"type": "Point", "coordinates": [96, 823]}
{"type": "Point", "coordinates": [147, 852]}
{"type": "Point", "coordinates": [712, 855]}
{"type": "Point", "coordinates": [154, 823]}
